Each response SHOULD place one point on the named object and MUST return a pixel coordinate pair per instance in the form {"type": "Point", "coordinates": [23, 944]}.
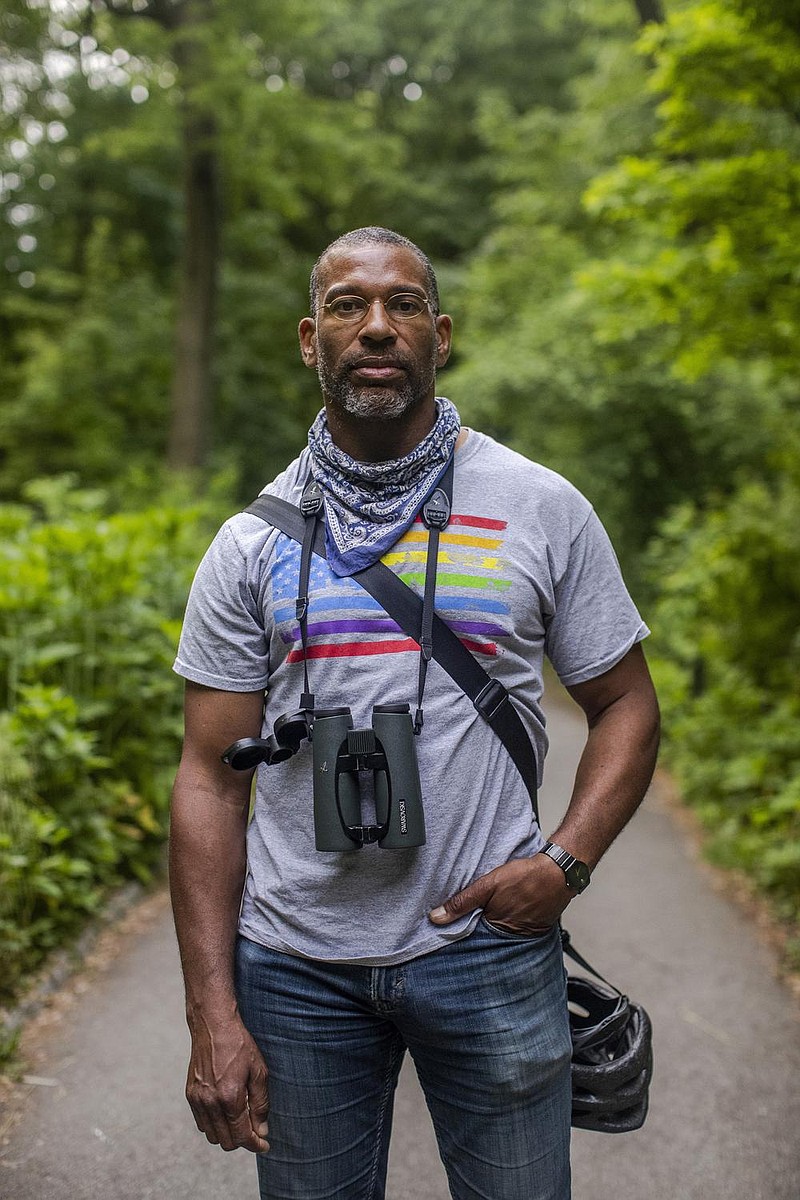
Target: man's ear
{"type": "Point", "coordinates": [444, 333]}
{"type": "Point", "coordinates": [307, 331]}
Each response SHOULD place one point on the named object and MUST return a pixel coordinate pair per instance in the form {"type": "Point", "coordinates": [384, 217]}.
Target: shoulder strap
{"type": "Point", "coordinates": [488, 695]}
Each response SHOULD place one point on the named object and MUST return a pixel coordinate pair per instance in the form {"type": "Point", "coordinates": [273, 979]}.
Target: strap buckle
{"type": "Point", "coordinates": [436, 510]}
{"type": "Point", "coordinates": [311, 500]}
{"type": "Point", "coordinates": [490, 699]}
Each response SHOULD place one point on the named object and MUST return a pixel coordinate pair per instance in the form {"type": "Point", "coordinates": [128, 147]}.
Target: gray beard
{"type": "Point", "coordinates": [377, 403]}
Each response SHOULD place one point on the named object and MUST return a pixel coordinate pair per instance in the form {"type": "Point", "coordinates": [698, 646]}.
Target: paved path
{"type": "Point", "coordinates": [725, 1112]}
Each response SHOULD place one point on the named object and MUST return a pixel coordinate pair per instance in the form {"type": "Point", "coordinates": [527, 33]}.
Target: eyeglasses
{"type": "Point", "coordinates": [405, 306]}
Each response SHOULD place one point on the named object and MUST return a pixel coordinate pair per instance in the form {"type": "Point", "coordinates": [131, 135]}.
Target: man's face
{"type": "Point", "coordinates": [375, 368]}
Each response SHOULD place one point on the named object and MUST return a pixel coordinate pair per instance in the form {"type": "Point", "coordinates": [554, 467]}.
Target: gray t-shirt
{"type": "Point", "coordinates": [525, 569]}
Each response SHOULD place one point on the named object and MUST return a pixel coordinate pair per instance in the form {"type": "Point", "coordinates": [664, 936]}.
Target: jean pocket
{"type": "Point", "coordinates": [510, 936]}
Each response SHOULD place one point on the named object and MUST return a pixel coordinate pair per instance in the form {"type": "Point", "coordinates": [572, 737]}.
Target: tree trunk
{"type": "Point", "coordinates": [650, 11]}
{"type": "Point", "coordinates": [198, 268]}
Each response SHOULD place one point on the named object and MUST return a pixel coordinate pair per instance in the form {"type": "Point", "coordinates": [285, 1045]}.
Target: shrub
{"type": "Point", "coordinates": [727, 664]}
{"type": "Point", "coordinates": [90, 610]}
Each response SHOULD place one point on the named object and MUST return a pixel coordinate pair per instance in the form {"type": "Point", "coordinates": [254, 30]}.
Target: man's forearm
{"type": "Point", "coordinates": [207, 870]}
{"type": "Point", "coordinates": [226, 1084]}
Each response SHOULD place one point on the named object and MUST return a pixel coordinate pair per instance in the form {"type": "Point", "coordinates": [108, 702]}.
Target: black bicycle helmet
{"type": "Point", "coordinates": [612, 1058]}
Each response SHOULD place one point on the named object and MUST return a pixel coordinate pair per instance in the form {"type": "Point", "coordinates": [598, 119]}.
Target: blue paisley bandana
{"type": "Point", "coordinates": [368, 506]}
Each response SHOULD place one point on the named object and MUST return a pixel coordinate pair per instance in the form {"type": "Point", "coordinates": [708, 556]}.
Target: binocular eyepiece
{"type": "Point", "coordinates": [343, 758]}
{"type": "Point", "coordinates": [290, 731]}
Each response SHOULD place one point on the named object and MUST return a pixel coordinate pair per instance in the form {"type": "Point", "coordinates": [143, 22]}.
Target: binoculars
{"type": "Point", "coordinates": [343, 758]}
{"type": "Point", "coordinates": [341, 755]}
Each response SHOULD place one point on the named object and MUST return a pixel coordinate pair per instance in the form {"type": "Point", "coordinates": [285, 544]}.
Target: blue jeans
{"type": "Point", "coordinates": [485, 1020]}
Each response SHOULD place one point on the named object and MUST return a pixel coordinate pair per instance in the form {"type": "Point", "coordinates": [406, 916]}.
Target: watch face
{"type": "Point", "coordinates": [578, 876]}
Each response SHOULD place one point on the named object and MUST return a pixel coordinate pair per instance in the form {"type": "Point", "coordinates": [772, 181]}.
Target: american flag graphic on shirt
{"type": "Point", "coordinates": [344, 621]}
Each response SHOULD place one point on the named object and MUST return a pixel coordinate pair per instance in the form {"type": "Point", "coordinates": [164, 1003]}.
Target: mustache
{"type": "Point", "coordinates": [353, 361]}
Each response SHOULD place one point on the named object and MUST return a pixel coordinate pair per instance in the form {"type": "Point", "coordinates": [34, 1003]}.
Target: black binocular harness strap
{"type": "Point", "coordinates": [488, 695]}
{"type": "Point", "coordinates": [311, 507]}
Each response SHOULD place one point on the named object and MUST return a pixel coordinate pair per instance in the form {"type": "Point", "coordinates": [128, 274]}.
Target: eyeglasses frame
{"type": "Point", "coordinates": [377, 300]}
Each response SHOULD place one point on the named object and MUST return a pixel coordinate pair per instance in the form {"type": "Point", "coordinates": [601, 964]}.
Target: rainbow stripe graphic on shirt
{"type": "Point", "coordinates": [344, 621]}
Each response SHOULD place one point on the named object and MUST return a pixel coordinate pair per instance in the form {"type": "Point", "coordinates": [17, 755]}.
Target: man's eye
{"type": "Point", "coordinates": [405, 306]}
{"type": "Point", "coordinates": [347, 306]}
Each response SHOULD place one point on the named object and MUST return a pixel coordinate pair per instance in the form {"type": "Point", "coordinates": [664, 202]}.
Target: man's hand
{"type": "Point", "coordinates": [227, 1087]}
{"type": "Point", "coordinates": [526, 896]}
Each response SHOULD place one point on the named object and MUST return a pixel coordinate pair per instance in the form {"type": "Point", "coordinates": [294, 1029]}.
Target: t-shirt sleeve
{"type": "Point", "coordinates": [595, 622]}
{"type": "Point", "coordinates": [223, 642]}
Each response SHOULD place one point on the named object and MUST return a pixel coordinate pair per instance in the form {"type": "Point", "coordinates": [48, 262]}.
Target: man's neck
{"type": "Point", "coordinates": [380, 440]}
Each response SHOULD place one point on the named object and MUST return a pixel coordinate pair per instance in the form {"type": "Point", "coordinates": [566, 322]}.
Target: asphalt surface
{"type": "Point", "coordinates": [105, 1118]}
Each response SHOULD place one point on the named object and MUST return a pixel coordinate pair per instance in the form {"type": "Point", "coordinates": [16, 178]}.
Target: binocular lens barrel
{"type": "Point", "coordinates": [330, 731]}
{"type": "Point", "coordinates": [395, 732]}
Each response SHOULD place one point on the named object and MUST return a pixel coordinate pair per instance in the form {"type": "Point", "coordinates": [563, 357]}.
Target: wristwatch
{"type": "Point", "coordinates": [577, 873]}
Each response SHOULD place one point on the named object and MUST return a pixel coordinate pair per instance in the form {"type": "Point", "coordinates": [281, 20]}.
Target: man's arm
{"type": "Point", "coordinates": [617, 763]}
{"type": "Point", "coordinates": [227, 1081]}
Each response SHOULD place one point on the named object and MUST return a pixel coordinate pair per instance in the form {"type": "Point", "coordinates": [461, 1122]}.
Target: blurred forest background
{"type": "Point", "coordinates": [610, 195]}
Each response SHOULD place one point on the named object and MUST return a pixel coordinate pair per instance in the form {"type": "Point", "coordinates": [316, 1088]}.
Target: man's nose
{"type": "Point", "coordinates": [376, 326]}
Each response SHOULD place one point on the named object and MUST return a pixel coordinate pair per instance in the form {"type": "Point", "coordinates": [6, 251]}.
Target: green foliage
{"type": "Point", "coordinates": [728, 647]}
{"type": "Point", "coordinates": [93, 385]}
{"type": "Point", "coordinates": [632, 320]}
{"type": "Point", "coordinates": [716, 195]}
{"type": "Point", "coordinates": [710, 218]}
{"type": "Point", "coordinates": [325, 117]}
{"type": "Point", "coordinates": [531, 366]}
{"type": "Point", "coordinates": [90, 608]}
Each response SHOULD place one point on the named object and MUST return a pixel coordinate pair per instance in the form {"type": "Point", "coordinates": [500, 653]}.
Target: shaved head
{"type": "Point", "coordinates": [372, 235]}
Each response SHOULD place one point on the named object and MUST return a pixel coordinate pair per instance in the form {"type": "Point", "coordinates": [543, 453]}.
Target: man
{"type": "Point", "coordinates": [308, 974]}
